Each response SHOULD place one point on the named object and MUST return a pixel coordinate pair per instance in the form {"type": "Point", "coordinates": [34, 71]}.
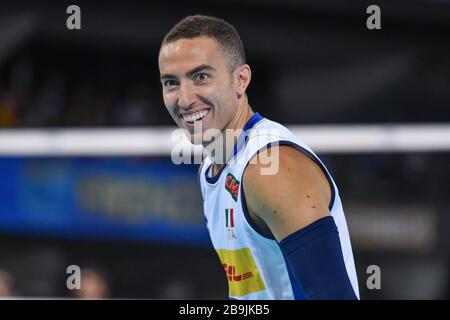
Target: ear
{"type": "Point", "coordinates": [242, 77]}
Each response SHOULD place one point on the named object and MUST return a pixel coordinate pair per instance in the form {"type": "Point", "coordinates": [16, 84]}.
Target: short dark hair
{"type": "Point", "coordinates": [223, 32]}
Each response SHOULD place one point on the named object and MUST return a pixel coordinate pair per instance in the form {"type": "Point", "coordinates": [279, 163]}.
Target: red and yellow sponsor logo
{"type": "Point", "coordinates": [241, 271]}
{"type": "Point", "coordinates": [232, 186]}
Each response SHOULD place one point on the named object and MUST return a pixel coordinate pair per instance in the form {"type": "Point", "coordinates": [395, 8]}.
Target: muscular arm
{"type": "Point", "coordinates": [293, 204]}
{"type": "Point", "coordinates": [297, 195]}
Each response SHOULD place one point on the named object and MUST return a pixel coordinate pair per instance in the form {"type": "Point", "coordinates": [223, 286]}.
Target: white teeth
{"type": "Point", "coordinates": [196, 116]}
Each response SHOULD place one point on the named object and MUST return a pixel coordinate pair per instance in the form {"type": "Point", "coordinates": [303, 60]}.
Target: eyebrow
{"type": "Point", "coordinates": [203, 67]}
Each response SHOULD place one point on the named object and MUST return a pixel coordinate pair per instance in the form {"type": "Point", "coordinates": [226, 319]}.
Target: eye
{"type": "Point", "coordinates": [169, 83]}
{"type": "Point", "coordinates": [201, 77]}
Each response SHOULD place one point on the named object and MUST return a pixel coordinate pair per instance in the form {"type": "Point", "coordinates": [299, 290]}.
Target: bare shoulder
{"type": "Point", "coordinates": [295, 195]}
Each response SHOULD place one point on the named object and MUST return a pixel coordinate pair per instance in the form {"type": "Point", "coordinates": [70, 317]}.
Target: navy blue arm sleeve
{"type": "Point", "coordinates": [315, 257]}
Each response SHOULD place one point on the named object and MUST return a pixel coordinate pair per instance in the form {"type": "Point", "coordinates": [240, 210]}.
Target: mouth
{"type": "Point", "coordinates": [195, 118]}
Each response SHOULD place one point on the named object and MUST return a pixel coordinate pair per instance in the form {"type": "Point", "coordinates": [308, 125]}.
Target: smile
{"type": "Point", "coordinates": [191, 118]}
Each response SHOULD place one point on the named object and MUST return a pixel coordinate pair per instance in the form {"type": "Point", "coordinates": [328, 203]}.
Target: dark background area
{"type": "Point", "coordinates": [313, 61]}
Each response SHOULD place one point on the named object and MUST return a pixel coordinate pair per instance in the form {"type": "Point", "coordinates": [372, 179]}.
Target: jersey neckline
{"type": "Point", "coordinates": [242, 140]}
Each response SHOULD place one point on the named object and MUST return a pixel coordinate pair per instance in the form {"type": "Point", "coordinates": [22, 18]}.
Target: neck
{"type": "Point", "coordinates": [236, 125]}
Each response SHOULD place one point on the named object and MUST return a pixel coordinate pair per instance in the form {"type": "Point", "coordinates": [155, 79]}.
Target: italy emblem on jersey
{"type": "Point", "coordinates": [232, 186]}
{"type": "Point", "coordinates": [229, 224]}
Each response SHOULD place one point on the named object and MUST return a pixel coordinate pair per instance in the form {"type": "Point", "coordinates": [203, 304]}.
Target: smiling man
{"type": "Point", "coordinates": [281, 235]}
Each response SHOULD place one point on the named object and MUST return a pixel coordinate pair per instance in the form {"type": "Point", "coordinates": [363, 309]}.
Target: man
{"type": "Point", "coordinates": [279, 235]}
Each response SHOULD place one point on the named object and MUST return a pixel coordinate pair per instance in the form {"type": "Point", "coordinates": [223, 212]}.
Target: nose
{"type": "Point", "coordinates": [186, 96]}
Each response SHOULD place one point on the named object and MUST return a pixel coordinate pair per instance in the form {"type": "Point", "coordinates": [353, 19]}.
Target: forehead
{"type": "Point", "coordinates": [185, 54]}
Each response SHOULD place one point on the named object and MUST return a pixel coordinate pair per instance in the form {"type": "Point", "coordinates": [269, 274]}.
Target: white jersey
{"type": "Point", "coordinates": [253, 262]}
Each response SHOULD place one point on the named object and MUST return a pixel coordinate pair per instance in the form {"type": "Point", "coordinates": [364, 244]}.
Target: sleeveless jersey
{"type": "Point", "coordinates": [254, 264]}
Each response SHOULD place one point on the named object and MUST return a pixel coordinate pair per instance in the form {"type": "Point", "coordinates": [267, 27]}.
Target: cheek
{"type": "Point", "coordinates": [229, 101]}
{"type": "Point", "coordinates": [226, 95]}
{"type": "Point", "coordinates": [166, 98]}
{"type": "Point", "coordinates": [169, 102]}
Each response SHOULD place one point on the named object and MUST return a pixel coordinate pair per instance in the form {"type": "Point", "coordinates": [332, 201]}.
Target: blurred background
{"type": "Point", "coordinates": [132, 220]}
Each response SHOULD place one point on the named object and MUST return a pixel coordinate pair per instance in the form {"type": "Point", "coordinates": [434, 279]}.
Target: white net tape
{"type": "Point", "coordinates": [158, 141]}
